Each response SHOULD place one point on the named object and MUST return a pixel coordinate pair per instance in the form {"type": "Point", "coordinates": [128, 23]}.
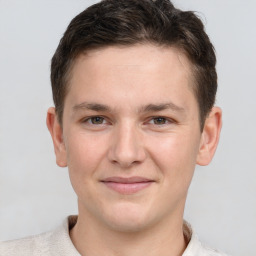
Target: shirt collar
{"type": "Point", "coordinates": [61, 243]}
{"type": "Point", "coordinates": [194, 246]}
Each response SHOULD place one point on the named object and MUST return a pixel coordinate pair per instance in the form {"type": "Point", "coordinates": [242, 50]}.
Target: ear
{"type": "Point", "coordinates": [210, 136]}
{"type": "Point", "coordinates": [56, 132]}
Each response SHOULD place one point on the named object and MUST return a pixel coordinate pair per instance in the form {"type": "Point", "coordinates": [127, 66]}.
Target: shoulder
{"type": "Point", "coordinates": [211, 252]}
{"type": "Point", "coordinates": [33, 245]}
{"type": "Point", "coordinates": [195, 247]}
{"type": "Point", "coordinates": [56, 242]}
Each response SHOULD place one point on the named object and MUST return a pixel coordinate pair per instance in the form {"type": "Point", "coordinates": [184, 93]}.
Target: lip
{"type": "Point", "coordinates": [128, 185]}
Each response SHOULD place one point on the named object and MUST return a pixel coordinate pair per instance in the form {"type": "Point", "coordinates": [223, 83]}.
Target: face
{"type": "Point", "coordinates": [131, 135]}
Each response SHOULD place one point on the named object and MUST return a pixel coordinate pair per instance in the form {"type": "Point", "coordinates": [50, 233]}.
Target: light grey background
{"type": "Point", "coordinates": [35, 194]}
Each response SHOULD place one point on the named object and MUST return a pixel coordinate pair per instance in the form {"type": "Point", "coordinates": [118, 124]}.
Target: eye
{"type": "Point", "coordinates": [159, 121]}
{"type": "Point", "coordinates": [96, 120]}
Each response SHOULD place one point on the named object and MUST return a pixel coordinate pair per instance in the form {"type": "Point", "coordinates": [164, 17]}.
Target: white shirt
{"type": "Point", "coordinates": [58, 242]}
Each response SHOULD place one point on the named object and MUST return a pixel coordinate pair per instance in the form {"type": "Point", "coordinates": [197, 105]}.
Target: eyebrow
{"type": "Point", "coordinates": [92, 106]}
{"type": "Point", "coordinates": [144, 109]}
{"type": "Point", "coordinates": [161, 107]}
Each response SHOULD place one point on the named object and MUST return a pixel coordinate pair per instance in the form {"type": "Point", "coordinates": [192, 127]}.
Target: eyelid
{"type": "Point", "coordinates": [88, 118]}
{"type": "Point", "coordinates": [167, 119]}
{"type": "Point", "coordinates": [148, 121]}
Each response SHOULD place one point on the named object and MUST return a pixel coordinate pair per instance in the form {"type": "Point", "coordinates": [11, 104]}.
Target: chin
{"type": "Point", "coordinates": [128, 219]}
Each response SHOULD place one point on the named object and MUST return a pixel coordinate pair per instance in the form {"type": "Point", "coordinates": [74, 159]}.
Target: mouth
{"type": "Point", "coordinates": [127, 186]}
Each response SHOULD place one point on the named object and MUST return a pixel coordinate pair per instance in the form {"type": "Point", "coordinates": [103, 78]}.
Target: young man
{"type": "Point", "coordinates": [134, 86]}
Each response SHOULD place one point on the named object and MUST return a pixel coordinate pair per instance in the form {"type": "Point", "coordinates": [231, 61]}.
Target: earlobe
{"type": "Point", "coordinates": [210, 136]}
{"type": "Point", "coordinates": [56, 132]}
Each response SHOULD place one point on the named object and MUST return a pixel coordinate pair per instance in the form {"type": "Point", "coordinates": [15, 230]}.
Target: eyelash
{"type": "Point", "coordinates": [166, 120]}
{"type": "Point", "coordinates": [89, 120]}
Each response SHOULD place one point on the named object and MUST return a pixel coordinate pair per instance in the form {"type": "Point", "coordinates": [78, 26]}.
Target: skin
{"type": "Point", "coordinates": [129, 112]}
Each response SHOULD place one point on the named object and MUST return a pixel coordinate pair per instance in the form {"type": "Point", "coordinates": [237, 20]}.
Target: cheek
{"type": "Point", "coordinates": [175, 155]}
{"type": "Point", "coordinates": [84, 153]}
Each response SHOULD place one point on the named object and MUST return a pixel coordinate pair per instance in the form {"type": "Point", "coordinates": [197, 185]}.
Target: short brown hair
{"type": "Point", "coordinates": [129, 22]}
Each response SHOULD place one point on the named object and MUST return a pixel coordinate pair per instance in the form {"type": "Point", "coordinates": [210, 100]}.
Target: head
{"type": "Point", "coordinates": [134, 85]}
{"type": "Point", "coordinates": [127, 23]}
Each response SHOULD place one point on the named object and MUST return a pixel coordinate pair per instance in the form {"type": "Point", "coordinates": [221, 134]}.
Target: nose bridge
{"type": "Point", "coordinates": [127, 146]}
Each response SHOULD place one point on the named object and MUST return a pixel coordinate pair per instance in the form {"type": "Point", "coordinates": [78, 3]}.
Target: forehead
{"type": "Point", "coordinates": [135, 58]}
{"type": "Point", "coordinates": [122, 71]}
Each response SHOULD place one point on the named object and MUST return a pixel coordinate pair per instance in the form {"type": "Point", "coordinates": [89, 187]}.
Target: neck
{"type": "Point", "coordinates": [163, 239]}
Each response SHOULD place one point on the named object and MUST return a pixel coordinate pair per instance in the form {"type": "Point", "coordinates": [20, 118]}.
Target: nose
{"type": "Point", "coordinates": [127, 146]}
